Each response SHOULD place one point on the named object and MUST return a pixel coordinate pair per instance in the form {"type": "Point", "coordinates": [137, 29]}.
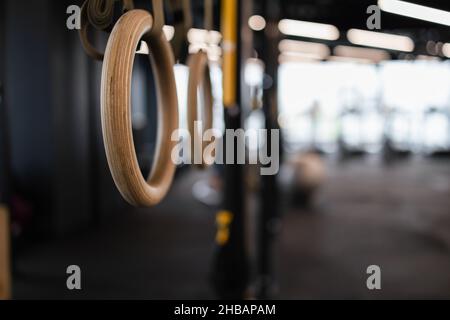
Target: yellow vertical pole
{"type": "Point", "coordinates": [5, 273]}
{"type": "Point", "coordinates": [230, 54]}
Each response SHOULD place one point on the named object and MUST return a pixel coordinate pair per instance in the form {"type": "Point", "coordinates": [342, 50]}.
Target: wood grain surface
{"type": "Point", "coordinates": [131, 28]}
{"type": "Point", "coordinates": [199, 78]}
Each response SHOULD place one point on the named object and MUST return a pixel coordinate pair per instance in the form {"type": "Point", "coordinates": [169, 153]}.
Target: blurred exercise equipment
{"type": "Point", "coordinates": [351, 135]}
{"type": "Point", "coordinates": [200, 79]}
{"type": "Point", "coordinates": [254, 78]}
{"type": "Point", "coordinates": [436, 129]}
{"type": "Point", "coordinates": [397, 135]}
{"type": "Point", "coordinates": [308, 176]}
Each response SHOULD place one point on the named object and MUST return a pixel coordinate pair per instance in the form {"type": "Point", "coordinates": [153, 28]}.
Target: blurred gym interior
{"type": "Point", "coordinates": [364, 177]}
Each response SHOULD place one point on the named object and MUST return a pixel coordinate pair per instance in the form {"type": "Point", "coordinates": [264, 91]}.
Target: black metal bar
{"type": "Point", "coordinates": [231, 267]}
{"type": "Point", "coordinates": [269, 197]}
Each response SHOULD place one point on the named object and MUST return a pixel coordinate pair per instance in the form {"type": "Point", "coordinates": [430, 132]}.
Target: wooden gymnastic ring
{"type": "Point", "coordinates": [116, 109]}
{"type": "Point", "coordinates": [199, 77]}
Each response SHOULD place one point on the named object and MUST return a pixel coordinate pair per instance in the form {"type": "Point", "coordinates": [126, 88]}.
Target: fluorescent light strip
{"type": "Point", "coordinates": [349, 60]}
{"type": "Point", "coordinates": [308, 29]}
{"type": "Point", "coordinates": [319, 49]}
{"type": "Point", "coordinates": [375, 55]}
{"type": "Point", "coordinates": [303, 55]}
{"type": "Point", "coordinates": [446, 50]}
{"type": "Point", "coordinates": [283, 58]}
{"type": "Point", "coordinates": [380, 40]}
{"type": "Point", "coordinates": [415, 11]}
{"type": "Point", "coordinates": [427, 58]}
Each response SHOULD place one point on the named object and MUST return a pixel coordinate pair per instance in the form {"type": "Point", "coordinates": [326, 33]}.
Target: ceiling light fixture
{"type": "Point", "coordinates": [308, 29]}
{"type": "Point", "coordinates": [294, 46]}
{"type": "Point", "coordinates": [257, 23]}
{"type": "Point", "coordinates": [375, 55]}
{"type": "Point", "coordinates": [380, 40]}
{"type": "Point", "coordinates": [446, 50]}
{"type": "Point", "coordinates": [415, 11]}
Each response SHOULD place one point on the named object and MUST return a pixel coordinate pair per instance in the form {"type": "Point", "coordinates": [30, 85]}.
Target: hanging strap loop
{"type": "Point", "coordinates": [128, 5]}
{"type": "Point", "coordinates": [158, 17]}
{"type": "Point", "coordinates": [182, 15]}
{"type": "Point", "coordinates": [209, 15]}
{"type": "Point", "coordinates": [100, 15]}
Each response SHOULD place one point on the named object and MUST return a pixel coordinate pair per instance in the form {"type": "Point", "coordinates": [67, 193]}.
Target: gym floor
{"type": "Point", "coordinates": [396, 216]}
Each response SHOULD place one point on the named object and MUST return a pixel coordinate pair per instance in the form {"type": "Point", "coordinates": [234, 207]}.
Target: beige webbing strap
{"type": "Point", "coordinates": [100, 15]}
{"type": "Point", "coordinates": [187, 14]}
{"type": "Point", "coordinates": [209, 15]}
{"type": "Point", "coordinates": [182, 26]}
{"type": "Point", "coordinates": [128, 5]}
{"type": "Point", "coordinates": [158, 17]}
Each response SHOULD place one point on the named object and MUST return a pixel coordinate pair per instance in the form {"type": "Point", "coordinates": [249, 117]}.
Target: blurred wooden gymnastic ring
{"type": "Point", "coordinates": [199, 78]}
{"type": "Point", "coordinates": [116, 108]}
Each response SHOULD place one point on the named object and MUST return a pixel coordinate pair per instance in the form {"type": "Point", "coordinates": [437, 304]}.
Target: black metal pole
{"type": "Point", "coordinates": [269, 197]}
{"type": "Point", "coordinates": [231, 267]}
